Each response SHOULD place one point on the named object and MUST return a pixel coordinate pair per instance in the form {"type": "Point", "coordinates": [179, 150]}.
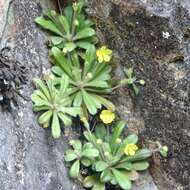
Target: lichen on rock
{"type": "Point", "coordinates": [149, 36]}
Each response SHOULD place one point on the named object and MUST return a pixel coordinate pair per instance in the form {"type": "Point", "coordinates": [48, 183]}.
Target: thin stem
{"type": "Point", "coordinates": [73, 24]}
{"type": "Point", "coordinates": [59, 6]}
{"type": "Point", "coordinates": [117, 86]}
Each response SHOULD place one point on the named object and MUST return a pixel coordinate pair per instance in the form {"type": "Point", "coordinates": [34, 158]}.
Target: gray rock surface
{"type": "Point", "coordinates": [153, 36]}
{"type": "Point", "coordinates": [29, 158]}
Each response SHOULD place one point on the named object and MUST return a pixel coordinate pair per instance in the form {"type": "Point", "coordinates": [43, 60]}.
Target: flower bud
{"type": "Point", "coordinates": [75, 6]}
{"type": "Point", "coordinates": [76, 22]}
{"type": "Point", "coordinates": [142, 82]}
{"type": "Point", "coordinates": [118, 140]}
{"type": "Point", "coordinates": [53, 13]}
{"type": "Point", "coordinates": [165, 148]}
{"type": "Point", "coordinates": [106, 153]}
{"type": "Point", "coordinates": [99, 141]}
{"type": "Point", "coordinates": [89, 75]}
{"type": "Point", "coordinates": [65, 50]}
{"type": "Point", "coordinates": [51, 76]}
{"type": "Point", "coordinates": [71, 142]}
{"type": "Point", "coordinates": [45, 125]}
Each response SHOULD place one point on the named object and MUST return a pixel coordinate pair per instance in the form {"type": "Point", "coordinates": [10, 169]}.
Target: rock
{"type": "Point", "coordinates": [30, 159]}
{"type": "Point", "coordinates": [152, 37]}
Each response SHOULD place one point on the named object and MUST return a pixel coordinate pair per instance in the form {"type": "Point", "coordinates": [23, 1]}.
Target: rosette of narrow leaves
{"type": "Point", "coordinates": [54, 104]}
{"type": "Point", "coordinates": [131, 80]}
{"type": "Point", "coordinates": [112, 164]}
{"type": "Point", "coordinates": [89, 81]}
{"type": "Point", "coordinates": [72, 30]}
{"type": "Point", "coordinates": [109, 162]}
{"type": "Point", "coordinates": [80, 154]}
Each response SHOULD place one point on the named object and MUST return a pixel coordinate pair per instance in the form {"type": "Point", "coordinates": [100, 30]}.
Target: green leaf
{"type": "Point", "coordinates": [99, 186]}
{"type": "Point", "coordinates": [142, 154]}
{"type": "Point", "coordinates": [38, 101]}
{"type": "Point", "coordinates": [66, 120]}
{"type": "Point", "coordinates": [130, 81]}
{"type": "Point", "coordinates": [74, 170]}
{"type": "Point", "coordinates": [100, 131]}
{"type": "Point", "coordinates": [87, 146]}
{"type": "Point", "coordinates": [98, 84]}
{"type": "Point", "coordinates": [100, 166]}
{"type": "Point", "coordinates": [45, 117]}
{"type": "Point", "coordinates": [70, 156]}
{"type": "Point", "coordinates": [68, 12]}
{"type": "Point", "coordinates": [55, 126]}
{"type": "Point", "coordinates": [64, 84]}
{"type": "Point", "coordinates": [131, 175]}
{"type": "Point", "coordinates": [75, 59]}
{"type": "Point", "coordinates": [57, 70]}
{"type": "Point", "coordinates": [61, 60]}
{"type": "Point", "coordinates": [89, 181]}
{"type": "Point", "coordinates": [40, 94]}
{"type": "Point", "coordinates": [125, 165]}
{"type": "Point", "coordinates": [164, 151]}
{"type": "Point", "coordinates": [43, 88]}
{"type": "Point", "coordinates": [140, 166]}
{"type": "Point", "coordinates": [40, 108]}
{"type": "Point", "coordinates": [89, 58]}
{"type": "Point", "coordinates": [129, 72]}
{"type": "Point", "coordinates": [116, 134]}
{"type": "Point", "coordinates": [90, 153]}
{"type": "Point", "coordinates": [70, 46]}
{"type": "Point", "coordinates": [106, 176]}
{"type": "Point", "coordinates": [122, 179]}
{"type": "Point", "coordinates": [83, 45]}
{"type": "Point", "coordinates": [87, 135]}
{"type": "Point", "coordinates": [131, 139]}
{"type": "Point", "coordinates": [73, 111]}
{"type": "Point", "coordinates": [86, 32]}
{"type": "Point", "coordinates": [48, 25]}
{"type": "Point", "coordinates": [136, 89]}
{"type": "Point", "coordinates": [65, 24]}
{"type": "Point", "coordinates": [76, 73]}
{"type": "Point", "coordinates": [106, 146]}
{"type": "Point", "coordinates": [76, 144]}
{"type": "Point", "coordinates": [89, 102]}
{"type": "Point", "coordinates": [109, 105]}
{"type": "Point", "coordinates": [92, 181]}
{"type": "Point", "coordinates": [86, 162]}
{"type": "Point", "coordinates": [78, 99]}
{"type": "Point", "coordinates": [56, 40]}
{"type": "Point", "coordinates": [100, 70]}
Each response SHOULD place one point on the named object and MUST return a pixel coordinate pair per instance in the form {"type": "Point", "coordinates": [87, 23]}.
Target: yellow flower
{"type": "Point", "coordinates": [130, 149]}
{"type": "Point", "coordinates": [107, 116]}
{"type": "Point", "coordinates": [104, 54]}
